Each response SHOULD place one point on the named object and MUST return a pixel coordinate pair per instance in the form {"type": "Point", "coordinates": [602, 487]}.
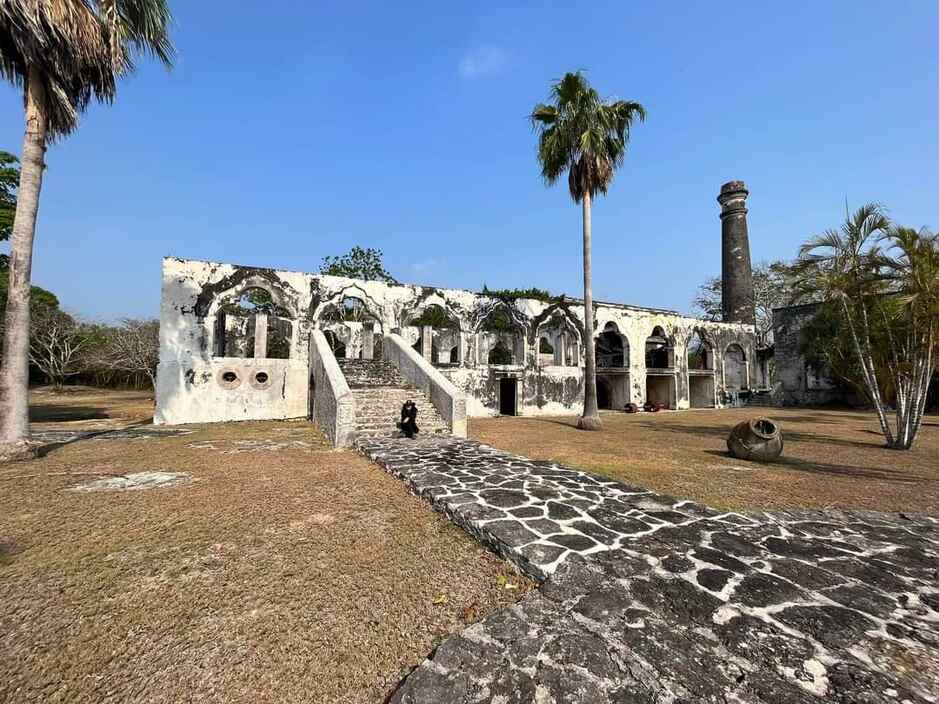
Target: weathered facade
{"type": "Point", "coordinates": [797, 382]}
{"type": "Point", "coordinates": [240, 343]}
{"type": "Point", "coordinates": [235, 345]}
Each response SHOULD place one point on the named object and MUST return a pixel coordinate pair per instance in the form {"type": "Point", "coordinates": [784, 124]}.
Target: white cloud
{"type": "Point", "coordinates": [482, 61]}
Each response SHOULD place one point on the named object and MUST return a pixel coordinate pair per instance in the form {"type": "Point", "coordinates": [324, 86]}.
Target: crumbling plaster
{"type": "Point", "coordinates": [188, 388]}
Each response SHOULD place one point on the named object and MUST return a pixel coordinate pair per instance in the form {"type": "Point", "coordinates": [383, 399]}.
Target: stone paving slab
{"type": "Point", "coordinates": [648, 598]}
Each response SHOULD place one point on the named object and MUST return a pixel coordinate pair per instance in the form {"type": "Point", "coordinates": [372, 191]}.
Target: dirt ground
{"type": "Point", "coordinates": [831, 458]}
{"type": "Point", "coordinates": [284, 571]}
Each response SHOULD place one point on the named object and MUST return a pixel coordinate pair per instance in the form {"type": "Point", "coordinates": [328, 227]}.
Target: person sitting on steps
{"type": "Point", "coordinates": [408, 422]}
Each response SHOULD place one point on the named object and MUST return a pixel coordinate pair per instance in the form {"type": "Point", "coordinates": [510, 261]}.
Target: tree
{"type": "Point", "coordinates": [63, 54]}
{"type": "Point", "coordinates": [772, 288]}
{"type": "Point", "coordinates": [9, 178]}
{"type": "Point", "coordinates": [358, 263]}
{"type": "Point", "coordinates": [55, 344]}
{"type": "Point", "coordinates": [133, 348]}
{"type": "Point", "coordinates": [585, 136]}
{"type": "Point", "coordinates": [883, 294]}
{"type": "Point", "coordinates": [38, 298]}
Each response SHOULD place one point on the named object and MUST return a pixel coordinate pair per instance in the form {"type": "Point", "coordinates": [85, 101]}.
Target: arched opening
{"type": "Point", "coordinates": [501, 338]}
{"type": "Point", "coordinates": [659, 351]}
{"type": "Point", "coordinates": [545, 351]}
{"type": "Point", "coordinates": [735, 368]}
{"type": "Point", "coordinates": [445, 339]}
{"type": "Point", "coordinates": [253, 326]}
{"type": "Point", "coordinates": [700, 353]}
{"type": "Point", "coordinates": [558, 342]}
{"type": "Point", "coordinates": [700, 371]}
{"type": "Point", "coordinates": [500, 354]}
{"type": "Point", "coordinates": [355, 326]}
{"type": "Point", "coordinates": [612, 348]}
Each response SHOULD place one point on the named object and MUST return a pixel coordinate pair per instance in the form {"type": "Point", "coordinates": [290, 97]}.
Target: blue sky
{"type": "Point", "coordinates": [291, 130]}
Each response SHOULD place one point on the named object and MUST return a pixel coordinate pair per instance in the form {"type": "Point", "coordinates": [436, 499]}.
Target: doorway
{"type": "Point", "coordinates": [508, 392]}
{"type": "Point", "coordinates": [603, 393]}
{"type": "Point", "coordinates": [661, 390]}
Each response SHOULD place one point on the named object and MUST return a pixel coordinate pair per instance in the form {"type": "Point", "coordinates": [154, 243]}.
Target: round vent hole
{"type": "Point", "coordinates": [261, 377]}
{"type": "Point", "coordinates": [230, 377]}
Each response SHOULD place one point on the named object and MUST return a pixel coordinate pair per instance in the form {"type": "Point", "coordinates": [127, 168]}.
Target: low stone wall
{"type": "Point", "coordinates": [449, 401]}
{"type": "Point", "coordinates": [333, 405]}
{"type": "Point", "coordinates": [224, 389]}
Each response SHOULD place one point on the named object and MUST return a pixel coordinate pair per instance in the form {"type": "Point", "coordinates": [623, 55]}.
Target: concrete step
{"type": "Point", "coordinates": [379, 391]}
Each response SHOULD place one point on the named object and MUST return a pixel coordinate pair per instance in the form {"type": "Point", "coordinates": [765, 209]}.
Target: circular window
{"type": "Point", "coordinates": [228, 379]}
{"type": "Point", "coordinates": [261, 379]}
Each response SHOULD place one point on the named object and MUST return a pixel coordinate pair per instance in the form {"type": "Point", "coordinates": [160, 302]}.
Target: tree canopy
{"type": "Point", "coordinates": [78, 49]}
{"type": "Point", "coordinates": [358, 263]}
{"type": "Point", "coordinates": [582, 134]}
{"type": "Point", "coordinates": [880, 283]}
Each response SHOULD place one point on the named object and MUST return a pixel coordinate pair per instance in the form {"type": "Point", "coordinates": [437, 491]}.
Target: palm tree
{"type": "Point", "coordinates": [584, 135]}
{"type": "Point", "coordinates": [63, 54]}
{"type": "Point", "coordinates": [889, 302]}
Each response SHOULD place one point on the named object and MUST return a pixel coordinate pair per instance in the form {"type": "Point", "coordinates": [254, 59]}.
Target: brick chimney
{"type": "Point", "coordinates": [736, 274]}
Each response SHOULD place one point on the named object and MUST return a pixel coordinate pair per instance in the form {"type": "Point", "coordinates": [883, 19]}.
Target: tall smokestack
{"type": "Point", "coordinates": [736, 274]}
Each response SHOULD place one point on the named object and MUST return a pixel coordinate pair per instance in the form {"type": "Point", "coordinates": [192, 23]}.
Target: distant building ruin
{"type": "Point", "coordinates": [241, 342]}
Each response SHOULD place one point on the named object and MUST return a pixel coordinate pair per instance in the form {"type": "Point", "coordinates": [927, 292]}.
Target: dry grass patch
{"type": "Point", "coordinates": [285, 571]}
{"type": "Point", "coordinates": [831, 458]}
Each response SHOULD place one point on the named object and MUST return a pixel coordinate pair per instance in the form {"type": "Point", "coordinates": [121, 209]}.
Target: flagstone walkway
{"type": "Point", "coordinates": [648, 598]}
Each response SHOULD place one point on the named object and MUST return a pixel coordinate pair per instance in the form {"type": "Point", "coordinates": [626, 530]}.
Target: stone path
{"type": "Point", "coordinates": [652, 599]}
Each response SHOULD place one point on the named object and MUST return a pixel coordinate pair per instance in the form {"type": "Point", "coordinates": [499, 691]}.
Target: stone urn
{"type": "Point", "coordinates": [757, 439]}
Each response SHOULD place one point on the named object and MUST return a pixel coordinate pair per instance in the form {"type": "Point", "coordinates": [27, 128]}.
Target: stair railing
{"type": "Point", "coordinates": [333, 409]}
{"type": "Point", "coordinates": [449, 401]}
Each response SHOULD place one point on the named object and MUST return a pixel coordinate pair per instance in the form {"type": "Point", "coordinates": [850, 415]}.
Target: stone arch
{"type": "Point", "coordinates": [355, 321]}
{"type": "Point", "coordinates": [611, 348]}
{"type": "Point", "coordinates": [443, 326]}
{"type": "Point", "coordinates": [501, 327]}
{"type": "Point", "coordinates": [699, 356]}
{"type": "Point", "coordinates": [562, 335]}
{"type": "Point", "coordinates": [700, 351]}
{"type": "Point", "coordinates": [660, 350]}
{"type": "Point", "coordinates": [249, 322]}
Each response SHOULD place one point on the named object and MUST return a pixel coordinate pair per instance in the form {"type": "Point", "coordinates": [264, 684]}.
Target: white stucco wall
{"type": "Point", "coordinates": [189, 388]}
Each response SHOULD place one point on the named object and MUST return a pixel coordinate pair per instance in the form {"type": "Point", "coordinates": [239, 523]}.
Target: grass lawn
{"type": "Point", "coordinates": [285, 571]}
{"type": "Point", "coordinates": [832, 458]}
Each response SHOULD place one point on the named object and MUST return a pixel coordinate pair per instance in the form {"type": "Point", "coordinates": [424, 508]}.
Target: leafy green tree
{"type": "Point", "coordinates": [62, 54]}
{"type": "Point", "coordinates": [884, 282]}
{"type": "Point", "coordinates": [512, 294]}
{"type": "Point", "coordinates": [585, 136]}
{"type": "Point", "coordinates": [436, 317]}
{"type": "Point", "coordinates": [9, 179]}
{"type": "Point", "coordinates": [359, 263]}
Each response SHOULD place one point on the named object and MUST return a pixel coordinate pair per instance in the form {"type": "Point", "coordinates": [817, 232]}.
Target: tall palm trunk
{"type": "Point", "coordinates": [14, 373]}
{"type": "Point", "coordinates": [591, 418]}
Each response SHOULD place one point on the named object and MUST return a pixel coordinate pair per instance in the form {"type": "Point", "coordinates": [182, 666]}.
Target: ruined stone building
{"type": "Point", "coordinates": [240, 342]}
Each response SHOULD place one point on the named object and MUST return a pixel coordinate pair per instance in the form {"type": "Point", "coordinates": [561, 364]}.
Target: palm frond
{"type": "Point", "coordinates": [582, 134]}
{"type": "Point", "coordinates": [77, 48]}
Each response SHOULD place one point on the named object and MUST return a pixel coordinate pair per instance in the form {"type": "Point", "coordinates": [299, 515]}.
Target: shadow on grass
{"type": "Point", "coordinates": [54, 413]}
{"type": "Point", "coordinates": [840, 470]}
{"type": "Point", "coordinates": [50, 447]}
{"type": "Point", "coordinates": [723, 431]}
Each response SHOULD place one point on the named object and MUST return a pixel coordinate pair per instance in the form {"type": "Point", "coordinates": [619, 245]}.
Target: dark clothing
{"type": "Point", "coordinates": [408, 422]}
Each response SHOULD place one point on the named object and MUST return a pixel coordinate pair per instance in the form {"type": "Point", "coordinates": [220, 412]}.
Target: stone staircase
{"type": "Point", "coordinates": [379, 391]}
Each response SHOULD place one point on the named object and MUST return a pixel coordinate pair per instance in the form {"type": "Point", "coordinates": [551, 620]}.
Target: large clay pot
{"type": "Point", "coordinates": [756, 439]}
